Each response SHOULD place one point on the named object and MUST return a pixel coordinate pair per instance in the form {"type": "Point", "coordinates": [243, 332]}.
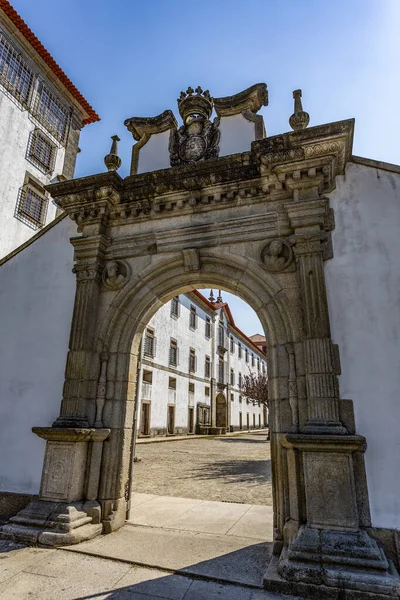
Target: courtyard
{"type": "Point", "coordinates": [233, 468]}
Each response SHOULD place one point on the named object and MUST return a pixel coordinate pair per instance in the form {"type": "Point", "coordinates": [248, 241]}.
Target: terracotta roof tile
{"type": "Point", "coordinates": [49, 60]}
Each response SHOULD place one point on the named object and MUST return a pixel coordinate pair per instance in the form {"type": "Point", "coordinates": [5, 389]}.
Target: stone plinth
{"type": "Point", "coordinates": [67, 511]}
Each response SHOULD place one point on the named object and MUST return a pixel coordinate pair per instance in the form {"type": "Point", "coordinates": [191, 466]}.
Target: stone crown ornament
{"type": "Point", "coordinates": [195, 102]}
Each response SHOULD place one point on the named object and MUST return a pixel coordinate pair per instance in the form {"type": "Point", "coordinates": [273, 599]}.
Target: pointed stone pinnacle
{"type": "Point", "coordinates": [112, 160]}
{"type": "Point", "coordinates": [299, 119]}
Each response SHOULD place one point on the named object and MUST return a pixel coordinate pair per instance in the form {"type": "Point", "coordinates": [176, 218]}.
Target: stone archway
{"type": "Point", "coordinates": [256, 224]}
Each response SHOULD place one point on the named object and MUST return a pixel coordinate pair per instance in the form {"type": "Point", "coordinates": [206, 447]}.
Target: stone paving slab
{"type": "Point", "coordinates": [226, 558]}
{"type": "Point", "coordinates": [160, 510]}
{"type": "Point", "coordinates": [41, 574]}
{"type": "Point", "coordinates": [244, 520]}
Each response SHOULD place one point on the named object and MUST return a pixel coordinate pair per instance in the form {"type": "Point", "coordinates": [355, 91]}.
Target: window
{"type": "Point", "coordinates": [208, 328]}
{"type": "Point", "coordinates": [258, 364]}
{"type": "Point", "coordinates": [232, 378]}
{"type": "Point", "coordinates": [192, 317]}
{"type": "Point", "coordinates": [175, 307]}
{"type": "Point", "coordinates": [240, 398]}
{"type": "Point", "coordinates": [147, 376]}
{"type": "Point", "coordinates": [232, 344]}
{"type": "Point", "coordinates": [172, 383]}
{"type": "Point", "coordinates": [232, 397]}
{"type": "Point", "coordinates": [240, 380]}
{"type": "Point", "coordinates": [51, 113]}
{"type": "Point", "coordinates": [173, 353]}
{"type": "Point", "coordinates": [149, 343]}
{"type": "Point", "coordinates": [32, 203]}
{"type": "Point", "coordinates": [221, 335]}
{"type": "Point", "coordinates": [191, 388]}
{"type": "Point", "coordinates": [15, 74]}
{"type": "Point", "coordinates": [41, 151]}
{"type": "Point", "coordinates": [221, 371]}
{"type": "Point", "coordinates": [207, 390]}
{"type": "Point", "coordinates": [207, 367]}
{"type": "Point", "coordinates": [252, 360]}
{"type": "Point", "coordinates": [192, 360]}
{"type": "Point", "coordinates": [239, 350]}
{"type": "Point", "coordinates": [246, 355]}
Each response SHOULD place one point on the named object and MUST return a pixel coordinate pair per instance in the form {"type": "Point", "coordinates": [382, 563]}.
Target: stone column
{"type": "Point", "coordinates": [83, 362]}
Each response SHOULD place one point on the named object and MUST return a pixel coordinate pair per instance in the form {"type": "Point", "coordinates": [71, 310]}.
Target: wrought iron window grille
{"type": "Point", "coordinates": [32, 205]}
{"type": "Point", "coordinates": [41, 151]}
{"type": "Point", "coordinates": [51, 113]}
{"type": "Point", "coordinates": [15, 74]}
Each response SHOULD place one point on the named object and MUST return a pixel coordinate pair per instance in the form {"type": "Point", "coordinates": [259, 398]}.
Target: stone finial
{"type": "Point", "coordinates": [211, 297]}
{"type": "Point", "coordinates": [299, 119]}
{"type": "Point", "coordinates": [219, 297]}
{"type": "Point", "coordinates": [112, 160]}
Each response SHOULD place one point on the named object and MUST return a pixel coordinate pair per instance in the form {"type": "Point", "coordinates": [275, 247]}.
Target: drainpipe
{"type": "Point", "coordinates": [134, 433]}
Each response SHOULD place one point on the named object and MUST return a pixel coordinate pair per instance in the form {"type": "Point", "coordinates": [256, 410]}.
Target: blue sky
{"type": "Point", "coordinates": [132, 58]}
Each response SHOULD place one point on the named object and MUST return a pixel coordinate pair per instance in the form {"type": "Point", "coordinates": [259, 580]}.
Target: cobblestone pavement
{"type": "Point", "coordinates": [230, 469]}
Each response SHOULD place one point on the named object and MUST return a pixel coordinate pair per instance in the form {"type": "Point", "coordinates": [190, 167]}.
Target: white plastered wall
{"type": "Point", "coordinates": [37, 290]}
{"type": "Point", "coordinates": [16, 125]}
{"type": "Point", "coordinates": [363, 283]}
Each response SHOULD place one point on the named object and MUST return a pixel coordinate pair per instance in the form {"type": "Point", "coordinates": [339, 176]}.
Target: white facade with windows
{"type": "Point", "coordinates": [40, 123]}
{"type": "Point", "coordinates": [193, 363]}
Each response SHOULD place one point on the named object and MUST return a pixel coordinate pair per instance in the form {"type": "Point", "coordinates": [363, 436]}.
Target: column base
{"type": "Point", "coordinates": [54, 523]}
{"type": "Point", "coordinates": [333, 565]}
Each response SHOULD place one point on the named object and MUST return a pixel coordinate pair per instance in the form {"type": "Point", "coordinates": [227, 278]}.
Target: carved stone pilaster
{"type": "Point", "coordinates": [101, 390]}
{"type": "Point", "coordinates": [293, 398]}
{"type": "Point", "coordinates": [308, 219]}
{"type": "Point", "coordinates": [81, 372]}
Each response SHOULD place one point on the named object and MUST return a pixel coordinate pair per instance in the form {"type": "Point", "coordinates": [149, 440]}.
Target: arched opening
{"type": "Point", "coordinates": [123, 327]}
{"type": "Point", "coordinates": [221, 410]}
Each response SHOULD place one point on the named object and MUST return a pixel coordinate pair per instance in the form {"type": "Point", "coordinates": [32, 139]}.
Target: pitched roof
{"type": "Point", "coordinates": [49, 60]}
{"type": "Point", "coordinates": [225, 305]}
{"type": "Point", "coordinates": [257, 337]}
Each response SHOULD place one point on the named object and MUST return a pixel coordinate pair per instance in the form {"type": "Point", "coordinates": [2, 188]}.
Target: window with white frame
{"type": "Point", "coordinates": [208, 328]}
{"type": "Point", "coordinates": [192, 317]}
{"type": "Point", "coordinates": [221, 371]}
{"type": "Point", "coordinates": [240, 380]}
{"type": "Point", "coordinates": [239, 350]}
{"type": "Point", "coordinates": [207, 367]}
{"type": "Point", "coordinates": [252, 360]}
{"type": "Point", "coordinates": [232, 377]}
{"type": "Point", "coordinates": [15, 74]}
{"type": "Point", "coordinates": [175, 307]}
{"type": "Point", "coordinates": [232, 344]}
{"type": "Point", "coordinates": [173, 353]}
{"type": "Point", "coordinates": [258, 364]}
{"type": "Point", "coordinates": [232, 397]}
{"type": "Point", "coordinates": [246, 355]}
{"type": "Point", "coordinates": [149, 343]}
{"type": "Point", "coordinates": [192, 360]}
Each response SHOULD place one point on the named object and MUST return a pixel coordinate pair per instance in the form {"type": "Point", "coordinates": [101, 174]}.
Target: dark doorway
{"type": "Point", "coordinates": [145, 419]}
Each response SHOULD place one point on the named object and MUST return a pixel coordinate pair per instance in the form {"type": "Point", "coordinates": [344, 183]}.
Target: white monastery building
{"type": "Point", "coordinates": [41, 115]}
{"type": "Point", "coordinates": [194, 360]}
